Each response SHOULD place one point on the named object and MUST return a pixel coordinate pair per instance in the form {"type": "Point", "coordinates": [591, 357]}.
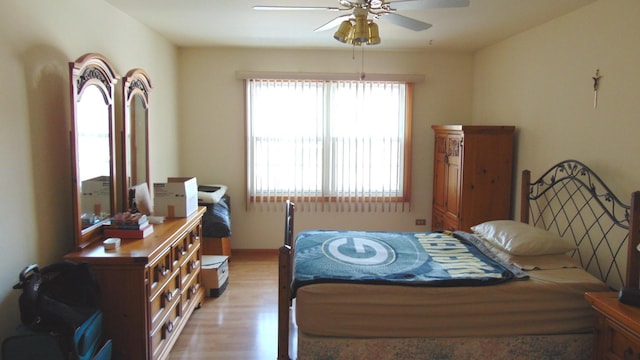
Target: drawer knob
{"type": "Point", "coordinates": [180, 250]}
{"type": "Point", "coordinates": [162, 270]}
{"type": "Point", "coordinates": [628, 353]}
{"type": "Point", "coordinates": [168, 296]}
{"type": "Point", "coordinates": [193, 289]}
{"type": "Point", "coordinates": [168, 328]}
{"type": "Point", "coordinates": [194, 264]}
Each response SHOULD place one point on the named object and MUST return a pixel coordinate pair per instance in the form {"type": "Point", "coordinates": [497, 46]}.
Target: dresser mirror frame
{"type": "Point", "coordinates": [92, 75]}
{"type": "Point", "coordinates": [136, 86]}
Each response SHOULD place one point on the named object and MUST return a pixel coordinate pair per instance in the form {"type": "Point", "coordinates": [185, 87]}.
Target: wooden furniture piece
{"type": "Point", "coordinates": [617, 327]}
{"type": "Point", "coordinates": [473, 171]}
{"type": "Point", "coordinates": [149, 287]}
{"type": "Point", "coordinates": [109, 154]}
{"type": "Point", "coordinates": [216, 246]}
{"type": "Point", "coordinates": [136, 87]}
{"type": "Point", "coordinates": [95, 196]}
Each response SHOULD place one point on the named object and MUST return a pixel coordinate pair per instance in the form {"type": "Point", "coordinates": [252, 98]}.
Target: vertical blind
{"type": "Point", "coordinates": [328, 145]}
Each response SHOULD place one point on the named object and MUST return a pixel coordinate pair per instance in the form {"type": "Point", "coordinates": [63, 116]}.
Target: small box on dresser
{"type": "Point", "coordinates": [215, 274]}
{"type": "Point", "coordinates": [178, 197]}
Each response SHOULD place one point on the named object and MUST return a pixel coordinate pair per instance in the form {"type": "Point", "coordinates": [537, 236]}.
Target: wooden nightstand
{"type": "Point", "coordinates": [617, 327]}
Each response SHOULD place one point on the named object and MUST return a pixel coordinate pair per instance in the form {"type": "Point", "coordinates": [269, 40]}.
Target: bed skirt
{"type": "Point", "coordinates": [534, 347]}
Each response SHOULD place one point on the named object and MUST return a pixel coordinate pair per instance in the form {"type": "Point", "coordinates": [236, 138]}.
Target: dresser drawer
{"type": "Point", "coordinates": [192, 239]}
{"type": "Point", "coordinates": [619, 343]}
{"type": "Point", "coordinates": [190, 292]}
{"type": "Point", "coordinates": [190, 267]}
{"type": "Point", "coordinates": [180, 250]}
{"type": "Point", "coordinates": [164, 299]}
{"type": "Point", "coordinates": [185, 246]}
{"type": "Point", "coordinates": [160, 272]}
{"type": "Point", "coordinates": [162, 334]}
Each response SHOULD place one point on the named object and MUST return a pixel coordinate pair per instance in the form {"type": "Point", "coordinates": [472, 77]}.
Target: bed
{"type": "Point", "coordinates": [536, 312]}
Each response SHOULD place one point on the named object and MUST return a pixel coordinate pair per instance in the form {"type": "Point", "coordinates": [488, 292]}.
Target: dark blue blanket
{"type": "Point", "coordinates": [395, 258]}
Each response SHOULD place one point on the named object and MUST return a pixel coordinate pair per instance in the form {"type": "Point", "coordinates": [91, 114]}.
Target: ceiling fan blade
{"type": "Point", "coordinates": [427, 4]}
{"type": "Point", "coordinates": [406, 22]}
{"type": "Point", "coordinates": [296, 8]}
{"type": "Point", "coordinates": [333, 23]}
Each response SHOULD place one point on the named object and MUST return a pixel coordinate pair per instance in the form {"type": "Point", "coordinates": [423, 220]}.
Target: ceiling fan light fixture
{"type": "Point", "coordinates": [374, 34]}
{"type": "Point", "coordinates": [343, 32]}
{"type": "Point", "coordinates": [358, 28]}
{"type": "Point", "coordinates": [350, 40]}
{"type": "Point", "coordinates": [361, 31]}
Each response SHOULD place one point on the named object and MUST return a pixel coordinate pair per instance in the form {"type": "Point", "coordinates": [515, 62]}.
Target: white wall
{"type": "Point", "coordinates": [212, 127]}
{"type": "Point", "coordinates": [37, 40]}
{"type": "Point", "coordinates": [541, 81]}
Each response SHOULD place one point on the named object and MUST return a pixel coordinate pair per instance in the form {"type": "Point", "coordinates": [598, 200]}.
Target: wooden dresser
{"type": "Point", "coordinates": [149, 287]}
{"type": "Point", "coordinates": [617, 327]}
{"type": "Point", "coordinates": [473, 172]}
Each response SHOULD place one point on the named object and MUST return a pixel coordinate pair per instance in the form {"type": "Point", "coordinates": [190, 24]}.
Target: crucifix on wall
{"type": "Point", "coordinates": [596, 85]}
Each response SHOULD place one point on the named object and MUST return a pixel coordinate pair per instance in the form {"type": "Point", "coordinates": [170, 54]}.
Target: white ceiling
{"type": "Point", "coordinates": [235, 23]}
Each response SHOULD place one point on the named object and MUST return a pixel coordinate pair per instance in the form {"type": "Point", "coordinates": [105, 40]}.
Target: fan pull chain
{"type": "Point", "coordinates": [362, 74]}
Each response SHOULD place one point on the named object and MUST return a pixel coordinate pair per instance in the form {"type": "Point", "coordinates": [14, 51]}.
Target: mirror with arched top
{"type": "Point", "coordinates": [92, 145]}
{"type": "Point", "coordinates": [135, 90]}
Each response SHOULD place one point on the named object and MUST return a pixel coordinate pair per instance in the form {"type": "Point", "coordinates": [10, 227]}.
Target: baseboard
{"type": "Point", "coordinates": [255, 252]}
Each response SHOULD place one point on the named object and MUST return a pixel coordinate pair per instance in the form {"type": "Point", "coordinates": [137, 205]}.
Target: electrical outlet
{"type": "Point", "coordinates": [421, 222]}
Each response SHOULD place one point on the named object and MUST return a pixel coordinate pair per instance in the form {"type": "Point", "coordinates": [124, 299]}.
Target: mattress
{"type": "Point", "coordinates": [550, 302]}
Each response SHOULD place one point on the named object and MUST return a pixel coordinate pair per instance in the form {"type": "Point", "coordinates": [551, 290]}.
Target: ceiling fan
{"type": "Point", "coordinates": [357, 26]}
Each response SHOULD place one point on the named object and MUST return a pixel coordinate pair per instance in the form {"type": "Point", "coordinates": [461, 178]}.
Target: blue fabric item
{"type": "Point", "coordinates": [393, 258]}
{"type": "Point", "coordinates": [87, 337]}
{"type": "Point", "coordinates": [105, 352]}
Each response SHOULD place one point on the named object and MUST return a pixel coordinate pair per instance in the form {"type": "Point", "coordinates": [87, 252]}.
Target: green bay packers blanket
{"type": "Point", "coordinates": [396, 258]}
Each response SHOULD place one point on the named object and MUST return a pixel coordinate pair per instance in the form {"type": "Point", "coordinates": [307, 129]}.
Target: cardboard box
{"type": "Point", "coordinates": [178, 197]}
{"type": "Point", "coordinates": [215, 274]}
{"type": "Point", "coordinates": [95, 196]}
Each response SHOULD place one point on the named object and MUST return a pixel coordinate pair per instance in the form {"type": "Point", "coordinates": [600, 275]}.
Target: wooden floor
{"type": "Point", "coordinates": [243, 322]}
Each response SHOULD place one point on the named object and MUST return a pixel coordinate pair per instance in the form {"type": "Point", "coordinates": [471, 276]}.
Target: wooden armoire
{"type": "Point", "coordinates": [473, 172]}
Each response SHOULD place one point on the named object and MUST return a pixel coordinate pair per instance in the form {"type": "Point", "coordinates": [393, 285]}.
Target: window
{"type": "Point", "coordinates": [328, 141]}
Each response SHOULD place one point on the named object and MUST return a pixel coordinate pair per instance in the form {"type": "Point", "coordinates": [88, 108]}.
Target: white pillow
{"type": "Point", "coordinates": [522, 239]}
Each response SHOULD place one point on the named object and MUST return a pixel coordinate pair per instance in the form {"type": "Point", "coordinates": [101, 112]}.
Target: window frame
{"type": "Point", "coordinates": [254, 198]}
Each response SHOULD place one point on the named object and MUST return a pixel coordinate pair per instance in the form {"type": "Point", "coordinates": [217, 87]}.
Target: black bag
{"type": "Point", "coordinates": [57, 298]}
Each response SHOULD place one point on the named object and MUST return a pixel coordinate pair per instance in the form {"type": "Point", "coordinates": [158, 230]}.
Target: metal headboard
{"type": "Point", "coordinates": [572, 201]}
